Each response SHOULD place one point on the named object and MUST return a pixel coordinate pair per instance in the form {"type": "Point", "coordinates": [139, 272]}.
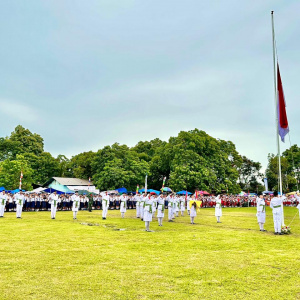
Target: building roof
{"type": "Point", "coordinates": [69, 181]}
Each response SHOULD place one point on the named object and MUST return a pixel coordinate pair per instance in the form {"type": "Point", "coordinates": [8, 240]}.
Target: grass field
{"type": "Point", "coordinates": [64, 259]}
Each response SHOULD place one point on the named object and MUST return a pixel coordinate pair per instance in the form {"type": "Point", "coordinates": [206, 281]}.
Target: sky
{"type": "Point", "coordinates": [86, 74]}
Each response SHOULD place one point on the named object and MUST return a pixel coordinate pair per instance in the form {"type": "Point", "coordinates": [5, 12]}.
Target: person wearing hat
{"type": "Point", "coordinates": [76, 203]}
{"type": "Point", "coordinates": [276, 205]}
{"type": "Point", "coordinates": [105, 205]}
{"type": "Point", "coordinates": [3, 200]}
{"type": "Point", "coordinates": [261, 211]}
{"type": "Point", "coordinates": [137, 204]}
{"type": "Point", "coordinates": [123, 205]}
{"type": "Point", "coordinates": [53, 200]}
{"type": "Point", "coordinates": [19, 200]}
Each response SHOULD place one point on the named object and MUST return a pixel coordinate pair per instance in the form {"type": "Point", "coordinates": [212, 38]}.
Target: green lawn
{"type": "Point", "coordinates": [63, 259]}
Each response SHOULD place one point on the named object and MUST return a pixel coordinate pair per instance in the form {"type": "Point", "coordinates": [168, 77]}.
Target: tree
{"type": "Point", "coordinates": [249, 175]}
{"type": "Point", "coordinates": [81, 165]}
{"type": "Point", "coordinates": [10, 171]}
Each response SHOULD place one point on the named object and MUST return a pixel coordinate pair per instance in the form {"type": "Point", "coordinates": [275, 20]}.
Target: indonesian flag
{"type": "Point", "coordinates": [283, 125]}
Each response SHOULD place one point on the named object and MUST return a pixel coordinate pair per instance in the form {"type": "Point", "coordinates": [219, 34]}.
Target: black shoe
{"type": "Point", "coordinates": [275, 232]}
{"type": "Point", "coordinates": [280, 233]}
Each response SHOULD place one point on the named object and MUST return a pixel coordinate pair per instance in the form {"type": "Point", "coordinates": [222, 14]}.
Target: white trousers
{"type": "Point", "coordinates": [137, 211]}
{"type": "Point", "coordinates": [170, 213]}
{"type": "Point", "coordinates": [19, 211]}
{"type": "Point", "coordinates": [277, 222]}
{"type": "Point", "coordinates": [104, 212]}
{"type": "Point", "coordinates": [53, 211]}
{"type": "Point", "coordinates": [2, 210]}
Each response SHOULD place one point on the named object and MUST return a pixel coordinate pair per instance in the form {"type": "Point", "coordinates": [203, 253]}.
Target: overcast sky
{"type": "Point", "coordinates": [85, 74]}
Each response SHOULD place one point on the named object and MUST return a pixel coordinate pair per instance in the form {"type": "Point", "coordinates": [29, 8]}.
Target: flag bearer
{"type": "Point", "coordinates": [53, 200]}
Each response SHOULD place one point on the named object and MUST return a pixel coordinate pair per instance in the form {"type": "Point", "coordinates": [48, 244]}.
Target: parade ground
{"type": "Point", "coordinates": [91, 258]}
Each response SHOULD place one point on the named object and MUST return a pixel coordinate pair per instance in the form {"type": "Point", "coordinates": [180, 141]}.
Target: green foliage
{"type": "Point", "coordinates": [10, 171]}
{"type": "Point", "coordinates": [192, 160]}
{"type": "Point", "coordinates": [81, 165]}
{"type": "Point", "coordinates": [290, 170]}
{"type": "Point", "coordinates": [118, 166]}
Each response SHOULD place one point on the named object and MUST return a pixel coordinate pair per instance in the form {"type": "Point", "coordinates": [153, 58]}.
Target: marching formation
{"type": "Point", "coordinates": [147, 205]}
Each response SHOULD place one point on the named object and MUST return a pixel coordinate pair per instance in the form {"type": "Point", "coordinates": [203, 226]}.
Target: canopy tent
{"type": "Point", "coordinates": [183, 193]}
{"type": "Point", "coordinates": [293, 193]}
{"type": "Point", "coordinates": [122, 190]}
{"type": "Point", "coordinates": [50, 190]}
{"type": "Point", "coordinates": [204, 193]}
{"type": "Point", "coordinates": [2, 189]}
{"type": "Point", "coordinates": [85, 192]}
{"type": "Point", "coordinates": [268, 193]}
{"type": "Point", "coordinates": [149, 191]}
{"type": "Point", "coordinates": [242, 193]}
{"type": "Point", "coordinates": [15, 191]}
{"type": "Point", "coordinates": [37, 190]}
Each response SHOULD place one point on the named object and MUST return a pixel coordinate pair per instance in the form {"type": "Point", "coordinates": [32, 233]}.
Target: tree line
{"type": "Point", "coordinates": [191, 160]}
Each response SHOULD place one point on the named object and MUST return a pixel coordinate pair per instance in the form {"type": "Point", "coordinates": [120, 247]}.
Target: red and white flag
{"type": "Point", "coordinates": [283, 125]}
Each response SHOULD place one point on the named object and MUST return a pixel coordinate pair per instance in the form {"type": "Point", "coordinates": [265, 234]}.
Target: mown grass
{"type": "Point", "coordinates": [42, 258]}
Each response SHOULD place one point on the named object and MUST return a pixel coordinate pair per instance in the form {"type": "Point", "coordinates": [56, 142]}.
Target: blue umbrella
{"type": "Point", "coordinates": [183, 193]}
{"type": "Point", "coordinates": [167, 189]}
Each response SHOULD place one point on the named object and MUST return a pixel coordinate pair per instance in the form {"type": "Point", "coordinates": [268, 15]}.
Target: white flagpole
{"type": "Point", "coordinates": [146, 183]}
{"type": "Point", "coordinates": [276, 111]}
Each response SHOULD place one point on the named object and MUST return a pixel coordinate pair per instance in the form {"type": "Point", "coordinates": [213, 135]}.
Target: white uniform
{"type": "Point", "coordinates": [298, 206]}
{"type": "Point", "coordinates": [261, 212]}
{"type": "Point", "coordinates": [105, 205]}
{"type": "Point", "coordinates": [3, 200]}
{"type": "Point", "coordinates": [147, 213]}
{"type": "Point", "coordinates": [75, 205]}
{"type": "Point", "coordinates": [160, 210]}
{"type": "Point", "coordinates": [154, 203]}
{"type": "Point", "coordinates": [193, 212]}
{"type": "Point", "coordinates": [142, 203]}
{"type": "Point", "coordinates": [218, 209]}
{"type": "Point", "coordinates": [170, 208]}
{"type": "Point", "coordinates": [53, 200]}
{"type": "Point", "coordinates": [123, 205]}
{"type": "Point", "coordinates": [275, 204]}
{"type": "Point", "coordinates": [19, 199]}
{"type": "Point", "coordinates": [187, 205]}
{"type": "Point", "coordinates": [137, 205]}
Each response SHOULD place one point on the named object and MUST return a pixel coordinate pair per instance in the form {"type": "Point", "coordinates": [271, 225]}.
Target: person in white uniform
{"type": "Point", "coordinates": [123, 205]}
{"type": "Point", "coordinates": [160, 209]}
{"type": "Point", "coordinates": [19, 199]}
{"type": "Point", "coordinates": [142, 204]}
{"type": "Point", "coordinates": [105, 205]}
{"type": "Point", "coordinates": [75, 204]}
{"type": "Point", "coordinates": [187, 205]}
{"type": "Point", "coordinates": [170, 208]}
{"type": "Point", "coordinates": [148, 212]}
{"type": "Point", "coordinates": [182, 205]}
{"type": "Point", "coordinates": [261, 212]}
{"type": "Point", "coordinates": [3, 200]}
{"type": "Point", "coordinates": [137, 205]}
{"type": "Point", "coordinates": [276, 205]}
{"type": "Point", "coordinates": [53, 200]}
{"type": "Point", "coordinates": [154, 204]}
{"type": "Point", "coordinates": [298, 206]}
{"type": "Point", "coordinates": [193, 211]}
{"type": "Point", "coordinates": [218, 209]}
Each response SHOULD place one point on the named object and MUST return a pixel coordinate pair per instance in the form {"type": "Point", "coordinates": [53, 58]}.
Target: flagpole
{"type": "Point", "coordinates": [276, 111]}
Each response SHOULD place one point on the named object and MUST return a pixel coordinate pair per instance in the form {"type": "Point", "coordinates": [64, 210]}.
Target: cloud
{"type": "Point", "coordinates": [19, 112]}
